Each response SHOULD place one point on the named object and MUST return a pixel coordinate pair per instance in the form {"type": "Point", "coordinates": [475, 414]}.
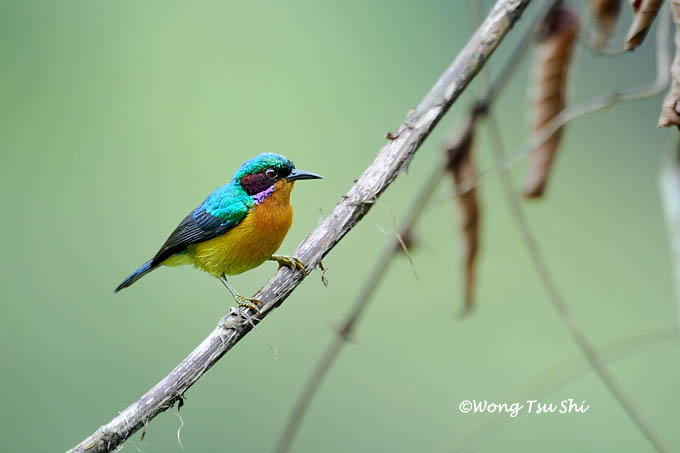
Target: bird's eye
{"type": "Point", "coordinates": [270, 173]}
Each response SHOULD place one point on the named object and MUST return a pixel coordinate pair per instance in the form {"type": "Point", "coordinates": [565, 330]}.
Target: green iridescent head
{"type": "Point", "coordinates": [262, 162]}
{"type": "Point", "coordinates": [259, 174]}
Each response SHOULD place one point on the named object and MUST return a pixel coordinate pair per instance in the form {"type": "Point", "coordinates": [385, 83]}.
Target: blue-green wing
{"type": "Point", "coordinates": [200, 225]}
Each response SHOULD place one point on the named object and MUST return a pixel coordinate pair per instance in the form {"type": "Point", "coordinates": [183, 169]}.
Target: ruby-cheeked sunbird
{"type": "Point", "coordinates": [238, 227]}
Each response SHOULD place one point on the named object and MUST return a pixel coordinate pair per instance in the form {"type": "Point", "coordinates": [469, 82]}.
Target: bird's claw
{"type": "Point", "coordinates": [249, 302]}
{"type": "Point", "coordinates": [289, 261]}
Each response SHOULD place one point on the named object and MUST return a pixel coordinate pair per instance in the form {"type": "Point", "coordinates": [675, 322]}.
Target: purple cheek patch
{"type": "Point", "coordinates": [261, 196]}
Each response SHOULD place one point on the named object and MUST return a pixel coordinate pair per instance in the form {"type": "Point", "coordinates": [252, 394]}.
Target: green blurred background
{"type": "Point", "coordinates": [117, 118]}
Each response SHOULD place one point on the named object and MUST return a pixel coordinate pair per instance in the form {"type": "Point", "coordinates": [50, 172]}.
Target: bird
{"type": "Point", "coordinates": [239, 226]}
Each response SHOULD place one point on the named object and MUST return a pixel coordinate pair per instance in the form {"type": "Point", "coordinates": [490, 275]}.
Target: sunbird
{"type": "Point", "coordinates": [237, 227]}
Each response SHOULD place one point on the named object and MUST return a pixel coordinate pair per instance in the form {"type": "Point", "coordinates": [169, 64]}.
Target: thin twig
{"type": "Point", "coordinates": [557, 299]}
{"type": "Point", "coordinates": [610, 50]}
{"type": "Point", "coordinates": [669, 186]}
{"type": "Point", "coordinates": [349, 323]}
{"type": "Point", "coordinates": [390, 161]}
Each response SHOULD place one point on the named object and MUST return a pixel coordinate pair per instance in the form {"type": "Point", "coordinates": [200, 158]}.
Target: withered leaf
{"type": "Point", "coordinates": [644, 13]}
{"type": "Point", "coordinates": [460, 164]}
{"type": "Point", "coordinates": [557, 37]}
{"type": "Point", "coordinates": [605, 13]}
{"type": "Point", "coordinates": [670, 109]}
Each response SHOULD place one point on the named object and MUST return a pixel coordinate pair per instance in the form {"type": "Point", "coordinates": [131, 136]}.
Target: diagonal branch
{"type": "Point", "coordinates": [392, 158]}
{"type": "Point", "coordinates": [382, 264]}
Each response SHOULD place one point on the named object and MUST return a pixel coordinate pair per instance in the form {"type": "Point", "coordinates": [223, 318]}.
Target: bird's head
{"type": "Point", "coordinates": [263, 175]}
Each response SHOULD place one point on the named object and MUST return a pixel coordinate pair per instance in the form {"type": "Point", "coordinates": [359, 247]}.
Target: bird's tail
{"type": "Point", "coordinates": [136, 275]}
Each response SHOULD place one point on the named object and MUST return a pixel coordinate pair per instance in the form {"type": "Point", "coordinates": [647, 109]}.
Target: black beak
{"type": "Point", "coordinates": [300, 174]}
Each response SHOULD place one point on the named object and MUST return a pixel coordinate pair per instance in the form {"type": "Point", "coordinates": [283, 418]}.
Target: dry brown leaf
{"type": "Point", "coordinates": [670, 109]}
{"type": "Point", "coordinates": [605, 13]}
{"type": "Point", "coordinates": [644, 12]}
{"type": "Point", "coordinates": [462, 167]}
{"type": "Point", "coordinates": [557, 38]}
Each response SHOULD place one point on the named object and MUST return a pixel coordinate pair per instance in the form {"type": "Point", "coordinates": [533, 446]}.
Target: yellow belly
{"type": "Point", "coordinates": [250, 243]}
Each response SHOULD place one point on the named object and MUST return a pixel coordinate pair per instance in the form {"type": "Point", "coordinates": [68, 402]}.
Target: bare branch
{"type": "Point", "coordinates": [382, 264]}
{"type": "Point", "coordinates": [392, 158]}
{"type": "Point", "coordinates": [333, 349]}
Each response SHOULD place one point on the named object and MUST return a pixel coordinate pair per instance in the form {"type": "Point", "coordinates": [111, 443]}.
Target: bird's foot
{"type": "Point", "coordinates": [249, 302]}
{"type": "Point", "coordinates": [289, 261]}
